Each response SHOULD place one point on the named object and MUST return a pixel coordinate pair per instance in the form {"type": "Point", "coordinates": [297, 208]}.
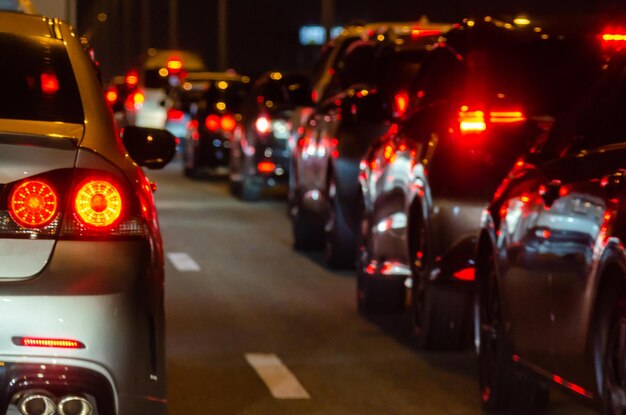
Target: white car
{"type": "Point", "coordinates": [81, 261]}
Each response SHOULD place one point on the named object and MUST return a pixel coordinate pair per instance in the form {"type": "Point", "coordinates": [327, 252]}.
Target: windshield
{"type": "Point", "coordinates": [37, 80]}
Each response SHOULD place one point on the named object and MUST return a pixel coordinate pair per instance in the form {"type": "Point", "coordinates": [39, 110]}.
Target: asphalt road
{"type": "Point", "coordinates": [245, 291]}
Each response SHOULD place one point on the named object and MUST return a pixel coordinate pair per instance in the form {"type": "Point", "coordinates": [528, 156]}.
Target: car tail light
{"type": "Point", "coordinates": [98, 204]}
{"type": "Point", "coordinates": [506, 117]}
{"type": "Point", "coordinates": [471, 122]}
{"type": "Point", "coordinates": [228, 122]}
{"type": "Point", "coordinates": [388, 153]}
{"type": "Point", "coordinates": [401, 102]}
{"type": "Point", "coordinates": [174, 65]}
{"type": "Point", "coordinates": [266, 167]}
{"type": "Point", "coordinates": [263, 125]}
{"type": "Point", "coordinates": [212, 122]}
{"type": "Point", "coordinates": [132, 79]}
{"type": "Point", "coordinates": [175, 115]}
{"type": "Point", "coordinates": [417, 33]}
{"type": "Point", "coordinates": [135, 101]}
{"type": "Point", "coordinates": [33, 204]}
{"type": "Point", "coordinates": [48, 342]}
{"type": "Point", "coordinates": [465, 274]}
{"type": "Point", "coordinates": [111, 95]}
{"type": "Point", "coordinates": [49, 83]}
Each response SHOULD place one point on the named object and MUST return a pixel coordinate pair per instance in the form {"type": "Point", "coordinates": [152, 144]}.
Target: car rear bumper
{"type": "Point", "coordinates": [106, 295]}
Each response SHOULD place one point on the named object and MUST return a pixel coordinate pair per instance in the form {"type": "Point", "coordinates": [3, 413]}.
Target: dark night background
{"type": "Point", "coordinates": [263, 34]}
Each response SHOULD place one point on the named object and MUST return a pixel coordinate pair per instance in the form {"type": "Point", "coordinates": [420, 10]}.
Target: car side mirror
{"type": "Point", "coordinates": [149, 147]}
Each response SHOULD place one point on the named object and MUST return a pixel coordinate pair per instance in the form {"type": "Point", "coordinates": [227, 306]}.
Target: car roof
{"type": "Point", "coordinates": [27, 24]}
{"type": "Point", "coordinates": [216, 76]}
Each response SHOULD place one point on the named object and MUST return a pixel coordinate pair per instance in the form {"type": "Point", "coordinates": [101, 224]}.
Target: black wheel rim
{"type": "Point", "coordinates": [489, 320]}
{"type": "Point", "coordinates": [615, 369]}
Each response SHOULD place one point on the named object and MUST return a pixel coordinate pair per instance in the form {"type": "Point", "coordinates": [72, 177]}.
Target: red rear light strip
{"type": "Point", "coordinates": [47, 342]}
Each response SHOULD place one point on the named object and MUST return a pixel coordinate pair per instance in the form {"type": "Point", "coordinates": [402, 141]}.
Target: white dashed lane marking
{"type": "Point", "coordinates": [183, 262]}
{"type": "Point", "coordinates": [277, 377]}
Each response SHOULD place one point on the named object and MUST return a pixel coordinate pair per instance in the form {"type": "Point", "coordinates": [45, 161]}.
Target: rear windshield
{"type": "Point", "coordinates": [230, 92]}
{"type": "Point", "coordinates": [37, 81]}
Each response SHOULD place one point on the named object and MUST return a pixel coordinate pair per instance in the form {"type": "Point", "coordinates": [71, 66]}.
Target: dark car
{"type": "Point", "coordinates": [366, 93]}
{"type": "Point", "coordinates": [260, 149]}
{"type": "Point", "coordinates": [482, 96]}
{"type": "Point", "coordinates": [550, 267]}
{"type": "Point", "coordinates": [213, 102]}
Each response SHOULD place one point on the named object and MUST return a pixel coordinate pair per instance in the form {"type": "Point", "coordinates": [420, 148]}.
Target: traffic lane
{"type": "Point", "coordinates": [253, 294]}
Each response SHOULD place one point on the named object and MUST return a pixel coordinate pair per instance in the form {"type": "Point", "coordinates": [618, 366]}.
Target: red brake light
{"type": "Point", "coordinates": [417, 33]}
{"type": "Point", "coordinates": [45, 342]}
{"type": "Point", "coordinates": [132, 78]}
{"type": "Point", "coordinates": [98, 204]}
{"type": "Point", "coordinates": [401, 101]}
{"type": "Point", "coordinates": [212, 122]}
{"type": "Point", "coordinates": [49, 83]}
{"type": "Point", "coordinates": [33, 204]}
{"type": "Point", "coordinates": [175, 115]}
{"type": "Point", "coordinates": [174, 65]}
{"type": "Point", "coordinates": [471, 122]}
{"type": "Point", "coordinates": [466, 274]}
{"type": "Point", "coordinates": [111, 95]}
{"type": "Point", "coordinates": [228, 122]}
{"type": "Point", "coordinates": [506, 117]}
{"type": "Point", "coordinates": [263, 125]}
{"type": "Point", "coordinates": [266, 167]}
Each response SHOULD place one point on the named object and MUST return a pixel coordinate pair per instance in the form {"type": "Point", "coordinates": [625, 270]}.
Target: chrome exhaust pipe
{"type": "Point", "coordinates": [36, 403]}
{"type": "Point", "coordinates": [74, 405]}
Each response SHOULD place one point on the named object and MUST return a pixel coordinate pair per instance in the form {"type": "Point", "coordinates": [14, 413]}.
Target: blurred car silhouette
{"type": "Point", "coordinates": [213, 102]}
{"type": "Point", "coordinates": [364, 96]}
{"type": "Point", "coordinates": [480, 99]}
{"type": "Point", "coordinates": [550, 262]}
{"type": "Point", "coordinates": [260, 155]}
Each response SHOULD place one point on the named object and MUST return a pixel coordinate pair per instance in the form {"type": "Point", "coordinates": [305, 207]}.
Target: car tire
{"type": "Point", "coordinates": [339, 241]}
{"type": "Point", "coordinates": [504, 387]}
{"type": "Point", "coordinates": [444, 313]}
{"type": "Point", "coordinates": [190, 155]}
{"type": "Point", "coordinates": [613, 380]}
{"type": "Point", "coordinates": [308, 230]}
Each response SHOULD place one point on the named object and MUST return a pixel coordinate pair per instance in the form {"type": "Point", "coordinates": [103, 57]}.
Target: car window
{"type": "Point", "coordinates": [439, 76]}
{"type": "Point", "coordinates": [597, 120]}
{"type": "Point", "coordinates": [38, 81]}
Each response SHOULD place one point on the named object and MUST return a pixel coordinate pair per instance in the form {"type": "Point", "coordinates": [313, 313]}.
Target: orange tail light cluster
{"type": "Point", "coordinates": [98, 204]}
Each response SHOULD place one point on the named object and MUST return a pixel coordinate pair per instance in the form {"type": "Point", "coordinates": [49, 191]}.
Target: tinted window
{"type": "Point", "coordinates": [232, 93]}
{"type": "Point", "coordinates": [37, 81]}
{"type": "Point", "coordinates": [598, 119]}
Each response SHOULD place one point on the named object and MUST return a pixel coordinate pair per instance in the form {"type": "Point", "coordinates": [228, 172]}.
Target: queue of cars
{"type": "Point", "coordinates": [473, 174]}
{"type": "Point", "coordinates": [79, 231]}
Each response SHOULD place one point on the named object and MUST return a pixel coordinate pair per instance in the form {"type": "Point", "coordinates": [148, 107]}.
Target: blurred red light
{"type": "Point", "coordinates": [212, 122]}
{"type": "Point", "coordinates": [465, 274]}
{"type": "Point", "coordinates": [49, 83]}
{"type": "Point", "coordinates": [266, 167]}
{"type": "Point", "coordinates": [401, 101]}
{"type": "Point", "coordinates": [132, 78]}
{"type": "Point", "coordinates": [228, 122]}
{"type": "Point", "coordinates": [175, 115]}
{"type": "Point", "coordinates": [174, 65]}
{"type": "Point", "coordinates": [111, 95]}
